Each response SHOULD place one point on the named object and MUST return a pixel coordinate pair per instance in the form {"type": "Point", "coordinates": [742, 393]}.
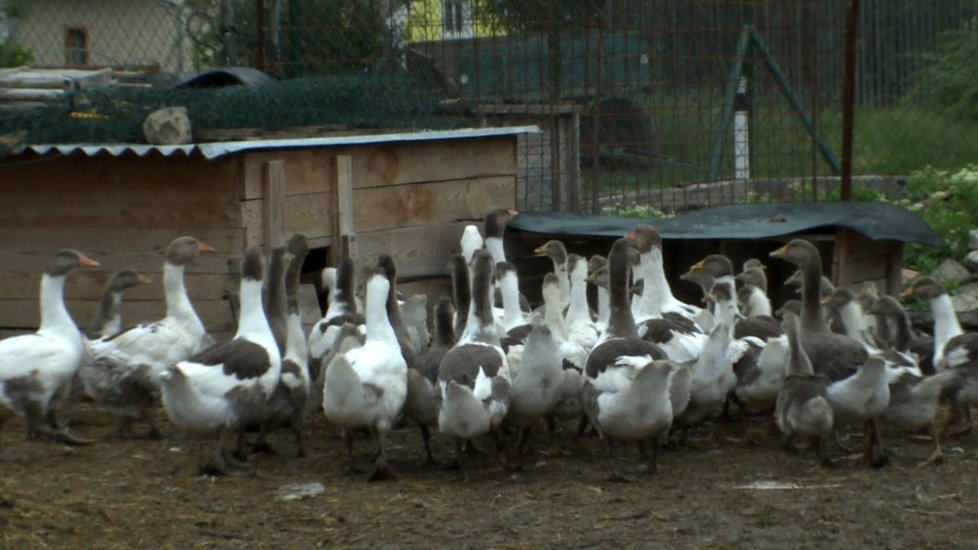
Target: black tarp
{"type": "Point", "coordinates": [874, 220]}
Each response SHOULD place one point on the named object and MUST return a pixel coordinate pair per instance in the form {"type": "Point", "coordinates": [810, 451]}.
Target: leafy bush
{"type": "Point", "coordinates": [13, 54]}
{"type": "Point", "coordinates": [635, 211]}
{"type": "Point", "coordinates": [949, 81]}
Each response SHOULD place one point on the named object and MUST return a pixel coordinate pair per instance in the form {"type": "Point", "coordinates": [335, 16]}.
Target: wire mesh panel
{"type": "Point", "coordinates": [642, 104]}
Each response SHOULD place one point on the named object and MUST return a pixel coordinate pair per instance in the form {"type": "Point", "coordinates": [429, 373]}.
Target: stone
{"type": "Point", "coordinates": [973, 239]}
{"type": "Point", "coordinates": [951, 271]}
{"type": "Point", "coordinates": [167, 126]}
{"type": "Point", "coordinates": [965, 298]}
{"type": "Point", "coordinates": [971, 261]}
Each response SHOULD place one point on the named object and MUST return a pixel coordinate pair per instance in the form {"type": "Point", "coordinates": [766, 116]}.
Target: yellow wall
{"type": "Point", "coordinates": [120, 32]}
{"type": "Point", "coordinates": [425, 23]}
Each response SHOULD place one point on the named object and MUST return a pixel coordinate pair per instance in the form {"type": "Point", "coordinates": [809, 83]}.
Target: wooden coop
{"type": "Point", "coordinates": [408, 195]}
{"type": "Point", "coordinates": [858, 242]}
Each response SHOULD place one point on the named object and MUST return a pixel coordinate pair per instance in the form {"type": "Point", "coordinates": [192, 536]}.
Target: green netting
{"type": "Point", "coordinates": [116, 114]}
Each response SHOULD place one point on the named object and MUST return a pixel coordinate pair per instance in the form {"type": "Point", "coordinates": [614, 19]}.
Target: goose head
{"type": "Point", "coordinates": [182, 250]}
{"type": "Point", "coordinates": [924, 288]}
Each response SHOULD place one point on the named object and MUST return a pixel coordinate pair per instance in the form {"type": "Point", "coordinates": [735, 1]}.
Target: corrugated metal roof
{"type": "Point", "coordinates": [219, 149]}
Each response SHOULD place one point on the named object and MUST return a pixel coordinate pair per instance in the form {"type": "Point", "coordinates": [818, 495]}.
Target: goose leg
{"type": "Point", "coordinates": [653, 465]}
{"type": "Point", "coordinates": [262, 446]}
{"type": "Point", "coordinates": [150, 415]}
{"type": "Point", "coordinates": [937, 457]}
{"type": "Point", "coordinates": [613, 473]}
{"type": "Point", "coordinates": [300, 440]}
{"type": "Point", "coordinates": [217, 464]}
{"type": "Point", "coordinates": [875, 454]}
{"type": "Point", "coordinates": [457, 445]}
{"type": "Point", "coordinates": [382, 471]}
{"type": "Point", "coordinates": [429, 458]}
{"type": "Point", "coordinates": [820, 454]}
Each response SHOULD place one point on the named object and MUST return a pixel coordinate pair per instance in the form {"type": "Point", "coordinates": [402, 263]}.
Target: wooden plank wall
{"type": "Point", "coordinates": [410, 199]}
{"type": "Point", "coordinates": [122, 212]}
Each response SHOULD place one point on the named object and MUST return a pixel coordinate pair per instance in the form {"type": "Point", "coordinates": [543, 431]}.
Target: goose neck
{"type": "Point", "coordinates": [811, 303]}
{"type": "Point", "coordinates": [946, 325]}
{"type": "Point", "coordinates": [509, 287]}
{"type": "Point", "coordinates": [54, 314]}
{"type": "Point", "coordinates": [378, 324]}
{"type": "Point", "coordinates": [175, 292]}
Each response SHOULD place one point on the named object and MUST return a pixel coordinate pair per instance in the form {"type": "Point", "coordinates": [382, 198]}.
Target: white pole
{"type": "Point", "coordinates": [741, 133]}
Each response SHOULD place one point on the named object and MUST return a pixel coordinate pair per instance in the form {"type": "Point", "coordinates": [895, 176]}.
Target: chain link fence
{"type": "Point", "coordinates": [665, 105]}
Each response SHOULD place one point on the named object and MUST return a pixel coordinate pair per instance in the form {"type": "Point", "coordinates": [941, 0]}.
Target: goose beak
{"type": "Point", "coordinates": [205, 248]}
{"type": "Point", "coordinates": [708, 298]}
{"type": "Point", "coordinates": [539, 249]}
{"type": "Point", "coordinates": [143, 280]}
{"type": "Point", "coordinates": [781, 252]}
{"type": "Point", "coordinates": [512, 212]}
{"type": "Point", "coordinates": [825, 301]}
{"type": "Point", "coordinates": [697, 265]}
{"type": "Point", "coordinates": [590, 278]}
{"type": "Point", "coordinates": [85, 261]}
{"type": "Point", "coordinates": [907, 292]}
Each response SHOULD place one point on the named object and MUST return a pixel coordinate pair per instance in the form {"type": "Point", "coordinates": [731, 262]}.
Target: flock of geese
{"type": "Point", "coordinates": [638, 365]}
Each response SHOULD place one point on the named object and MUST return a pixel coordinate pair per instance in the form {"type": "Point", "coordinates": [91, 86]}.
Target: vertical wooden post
{"type": "Point", "coordinates": [894, 268]}
{"type": "Point", "coordinates": [344, 210]}
{"type": "Point", "coordinates": [841, 258]}
{"type": "Point", "coordinates": [273, 203]}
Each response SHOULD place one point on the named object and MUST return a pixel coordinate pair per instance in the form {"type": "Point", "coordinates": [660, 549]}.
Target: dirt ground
{"type": "Point", "coordinates": [714, 492]}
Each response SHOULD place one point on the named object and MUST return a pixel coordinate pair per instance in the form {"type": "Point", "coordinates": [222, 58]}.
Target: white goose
{"type": "Point", "coordinates": [123, 375]}
{"type": "Point", "coordinates": [473, 378]}
{"type": "Point", "coordinates": [34, 366]}
{"type": "Point", "coordinates": [537, 387]}
{"type": "Point", "coordinates": [557, 252]}
{"type": "Point", "coordinates": [366, 386]}
{"type": "Point", "coordinates": [324, 335]}
{"type": "Point", "coordinates": [225, 387]}
{"type": "Point", "coordinates": [581, 329]}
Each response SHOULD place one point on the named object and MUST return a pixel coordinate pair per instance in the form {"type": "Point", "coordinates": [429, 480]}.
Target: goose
{"type": "Point", "coordinates": [473, 377]}
{"type": "Point", "coordinates": [573, 359]}
{"type": "Point", "coordinates": [512, 315]}
{"type": "Point", "coordinates": [108, 319]}
{"type": "Point", "coordinates": [834, 355]}
{"type": "Point", "coordinates": [495, 226]}
{"type": "Point", "coordinates": [35, 366]}
{"type": "Point", "coordinates": [537, 387]}
{"type": "Point", "coordinates": [862, 398]}
{"type": "Point", "coordinates": [414, 314]}
{"type": "Point", "coordinates": [580, 327]}
{"type": "Point", "coordinates": [627, 379]}
{"type": "Point", "coordinates": [366, 387]}
{"type": "Point", "coordinates": [802, 409]}
{"type": "Point", "coordinates": [557, 252]}
{"type": "Point", "coordinates": [954, 351]}
{"type": "Point", "coordinates": [657, 298]}
{"type": "Point", "coordinates": [726, 311]}
{"type": "Point", "coordinates": [913, 406]}
{"type": "Point", "coordinates": [759, 383]}
{"type": "Point", "coordinates": [123, 373]}
{"type": "Point", "coordinates": [324, 334]}
{"type": "Point", "coordinates": [712, 379]}
{"type": "Point", "coordinates": [386, 264]}
{"type": "Point", "coordinates": [903, 338]}
{"type": "Point", "coordinates": [595, 263]}
{"type": "Point", "coordinates": [754, 273]}
{"type": "Point", "coordinates": [470, 242]}
{"type": "Point", "coordinates": [852, 317]}
{"type": "Point", "coordinates": [458, 269]}
{"type": "Point", "coordinates": [421, 404]}
{"type": "Point", "coordinates": [288, 404]}
{"type": "Point", "coordinates": [225, 387]}
{"type": "Point", "coordinates": [753, 301]}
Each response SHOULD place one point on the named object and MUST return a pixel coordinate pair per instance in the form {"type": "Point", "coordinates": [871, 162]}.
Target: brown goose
{"type": "Point", "coordinates": [458, 269]}
{"type": "Point", "coordinates": [720, 268]}
{"type": "Point", "coordinates": [557, 252]}
{"type": "Point", "coordinates": [495, 226]}
{"type": "Point", "coordinates": [904, 339]}
{"type": "Point", "coordinates": [833, 355]}
{"type": "Point", "coordinates": [421, 404]}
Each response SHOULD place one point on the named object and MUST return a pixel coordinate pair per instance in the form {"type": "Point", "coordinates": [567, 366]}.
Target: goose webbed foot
{"type": "Point", "coordinates": [614, 474]}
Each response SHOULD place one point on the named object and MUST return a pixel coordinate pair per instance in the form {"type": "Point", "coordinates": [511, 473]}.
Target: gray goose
{"type": "Point", "coordinates": [386, 264]}
{"type": "Point", "coordinates": [34, 366]}
{"type": "Point", "coordinates": [627, 379]}
{"type": "Point", "coordinates": [720, 269]}
{"type": "Point", "coordinates": [288, 405]}
{"type": "Point", "coordinates": [421, 404]}
{"type": "Point", "coordinates": [473, 377]}
{"type": "Point", "coordinates": [890, 313]}
{"type": "Point", "coordinates": [108, 319]}
{"type": "Point", "coordinates": [802, 409]}
{"type": "Point", "coordinates": [557, 252]}
{"type": "Point", "coordinates": [834, 355]}
{"type": "Point", "coordinates": [458, 270]}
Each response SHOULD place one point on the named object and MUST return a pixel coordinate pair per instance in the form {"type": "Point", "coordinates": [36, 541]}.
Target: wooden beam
{"type": "Point", "coordinates": [273, 206]}
{"type": "Point", "coordinates": [894, 269]}
{"type": "Point", "coordinates": [344, 206]}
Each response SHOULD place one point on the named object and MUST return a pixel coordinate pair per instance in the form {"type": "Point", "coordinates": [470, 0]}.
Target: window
{"type": "Point", "coordinates": [76, 46]}
{"type": "Point", "coordinates": [456, 19]}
